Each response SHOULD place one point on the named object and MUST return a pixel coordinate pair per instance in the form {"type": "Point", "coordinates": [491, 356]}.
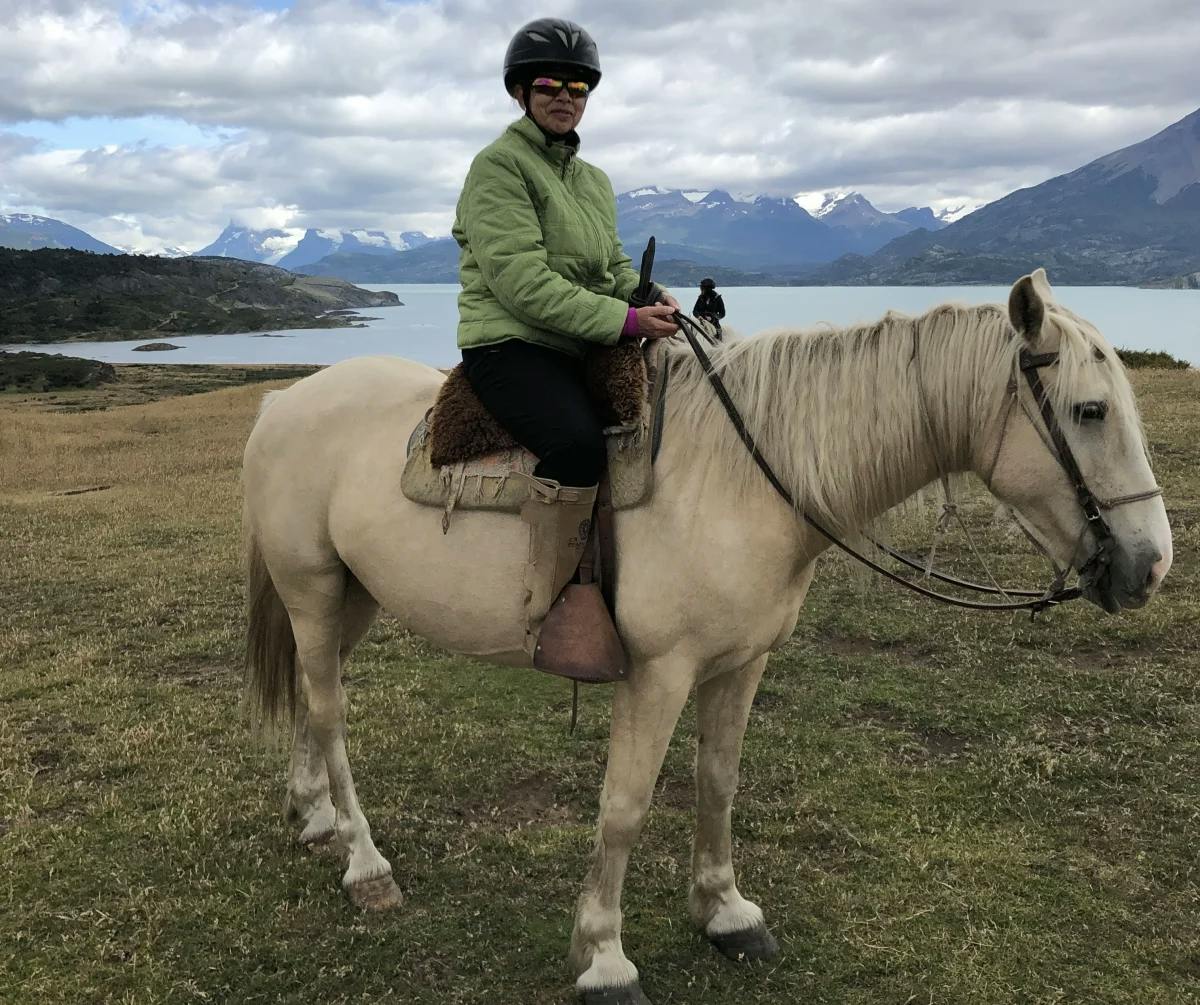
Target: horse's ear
{"type": "Point", "coordinates": [1026, 309]}
{"type": "Point", "coordinates": [1041, 283]}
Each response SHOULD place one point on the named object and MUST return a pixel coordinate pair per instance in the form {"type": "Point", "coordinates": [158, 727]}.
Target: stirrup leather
{"type": "Point", "coordinates": [568, 628]}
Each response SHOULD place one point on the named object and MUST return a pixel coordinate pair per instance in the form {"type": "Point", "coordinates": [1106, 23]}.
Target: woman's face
{"type": "Point", "coordinates": [558, 113]}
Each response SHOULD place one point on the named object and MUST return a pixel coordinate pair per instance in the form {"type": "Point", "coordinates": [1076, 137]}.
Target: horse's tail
{"type": "Point", "coordinates": [270, 645]}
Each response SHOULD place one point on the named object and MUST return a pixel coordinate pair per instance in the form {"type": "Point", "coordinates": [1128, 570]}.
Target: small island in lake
{"type": "Point", "coordinates": [62, 295]}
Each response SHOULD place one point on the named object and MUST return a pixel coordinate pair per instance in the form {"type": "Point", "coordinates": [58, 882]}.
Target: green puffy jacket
{"type": "Point", "coordinates": [540, 259]}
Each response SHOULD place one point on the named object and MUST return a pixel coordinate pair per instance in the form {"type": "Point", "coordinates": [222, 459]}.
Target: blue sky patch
{"type": "Point", "coordinates": [89, 133]}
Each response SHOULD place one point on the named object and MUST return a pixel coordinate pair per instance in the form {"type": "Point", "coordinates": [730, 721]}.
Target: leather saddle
{"type": "Point", "coordinates": [460, 457]}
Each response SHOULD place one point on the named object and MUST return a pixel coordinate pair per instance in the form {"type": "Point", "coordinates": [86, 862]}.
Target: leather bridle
{"type": "Point", "coordinates": [1106, 543]}
{"type": "Point", "coordinates": [1055, 593]}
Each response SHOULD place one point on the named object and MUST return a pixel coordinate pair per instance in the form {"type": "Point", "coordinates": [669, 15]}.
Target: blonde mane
{"type": "Point", "coordinates": [827, 406]}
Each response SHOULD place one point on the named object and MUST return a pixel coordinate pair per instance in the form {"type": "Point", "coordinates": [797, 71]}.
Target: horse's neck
{"type": "Point", "coordinates": [925, 414]}
{"type": "Point", "coordinates": [864, 433]}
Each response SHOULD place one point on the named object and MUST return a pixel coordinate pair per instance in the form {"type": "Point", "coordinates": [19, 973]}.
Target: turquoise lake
{"type": "Point", "coordinates": [423, 329]}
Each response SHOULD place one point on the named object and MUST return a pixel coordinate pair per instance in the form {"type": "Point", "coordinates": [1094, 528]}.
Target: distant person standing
{"type": "Point", "coordinates": [709, 305]}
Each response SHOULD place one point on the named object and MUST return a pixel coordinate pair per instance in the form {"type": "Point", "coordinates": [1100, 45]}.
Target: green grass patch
{"type": "Point", "coordinates": [935, 806]}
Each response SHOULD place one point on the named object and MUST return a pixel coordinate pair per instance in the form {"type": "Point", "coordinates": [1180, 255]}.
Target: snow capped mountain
{"type": "Point", "coordinates": [267, 246]}
{"type": "Point", "coordinates": [715, 226]}
{"type": "Point", "coordinates": [817, 204]}
{"type": "Point", "coordinates": [952, 214]}
{"type": "Point", "coordinates": [27, 232]}
{"type": "Point", "coordinates": [639, 193]}
{"type": "Point", "coordinates": [317, 244]}
{"type": "Point", "coordinates": [852, 210]}
{"type": "Point", "coordinates": [293, 247]}
{"type": "Point", "coordinates": [761, 231]}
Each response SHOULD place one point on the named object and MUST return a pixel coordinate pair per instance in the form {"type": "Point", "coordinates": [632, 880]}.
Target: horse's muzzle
{"type": "Point", "coordinates": [1126, 583]}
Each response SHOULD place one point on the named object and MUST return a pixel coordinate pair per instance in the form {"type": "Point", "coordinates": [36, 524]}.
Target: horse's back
{"type": "Point", "coordinates": [308, 435]}
{"type": "Point", "coordinates": [334, 403]}
{"type": "Point", "coordinates": [379, 380]}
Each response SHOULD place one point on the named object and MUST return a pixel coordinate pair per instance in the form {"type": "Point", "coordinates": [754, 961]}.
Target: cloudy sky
{"type": "Point", "coordinates": [152, 123]}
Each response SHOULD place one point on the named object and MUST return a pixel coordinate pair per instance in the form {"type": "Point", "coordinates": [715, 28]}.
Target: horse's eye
{"type": "Point", "coordinates": [1094, 410]}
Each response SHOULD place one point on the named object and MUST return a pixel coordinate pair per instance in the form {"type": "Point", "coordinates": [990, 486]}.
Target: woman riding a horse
{"type": "Point", "coordinates": [544, 277]}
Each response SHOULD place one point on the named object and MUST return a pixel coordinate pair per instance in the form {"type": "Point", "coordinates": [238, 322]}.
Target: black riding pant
{"type": "Point", "coordinates": [538, 395]}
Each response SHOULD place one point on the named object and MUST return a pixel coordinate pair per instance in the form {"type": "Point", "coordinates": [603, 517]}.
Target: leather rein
{"type": "Point", "coordinates": [1029, 364]}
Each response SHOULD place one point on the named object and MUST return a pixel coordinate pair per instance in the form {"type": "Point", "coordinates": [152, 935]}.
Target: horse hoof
{"type": "Point", "coordinates": [630, 994]}
{"type": "Point", "coordinates": [379, 894]}
{"type": "Point", "coordinates": [751, 945]}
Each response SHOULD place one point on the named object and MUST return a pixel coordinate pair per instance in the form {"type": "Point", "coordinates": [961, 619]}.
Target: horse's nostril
{"type": "Point", "coordinates": [1158, 569]}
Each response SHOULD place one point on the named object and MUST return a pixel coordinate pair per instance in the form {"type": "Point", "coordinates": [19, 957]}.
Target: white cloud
{"type": "Point", "coordinates": [364, 113]}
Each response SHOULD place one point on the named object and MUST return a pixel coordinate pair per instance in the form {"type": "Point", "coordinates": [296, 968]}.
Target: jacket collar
{"type": "Point", "coordinates": [554, 151]}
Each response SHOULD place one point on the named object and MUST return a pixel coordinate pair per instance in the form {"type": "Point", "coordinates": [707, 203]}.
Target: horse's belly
{"type": "Point", "coordinates": [463, 590]}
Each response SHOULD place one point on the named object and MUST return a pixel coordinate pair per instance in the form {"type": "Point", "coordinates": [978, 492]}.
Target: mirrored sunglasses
{"type": "Point", "coordinates": [550, 87]}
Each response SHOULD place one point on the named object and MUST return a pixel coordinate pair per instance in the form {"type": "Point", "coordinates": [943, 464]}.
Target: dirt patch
{"type": "Point", "coordinates": [46, 760]}
{"type": "Point", "coordinates": [855, 646]}
{"type": "Point", "coordinates": [188, 674]}
{"type": "Point", "coordinates": [675, 792]}
{"type": "Point", "coordinates": [1106, 658]}
{"type": "Point", "coordinates": [766, 701]}
{"type": "Point", "coordinates": [530, 802]}
{"type": "Point", "coordinates": [842, 646]}
{"type": "Point", "coordinates": [934, 744]}
{"type": "Point", "coordinates": [943, 744]}
{"type": "Point", "coordinates": [1189, 966]}
{"type": "Point", "coordinates": [879, 714]}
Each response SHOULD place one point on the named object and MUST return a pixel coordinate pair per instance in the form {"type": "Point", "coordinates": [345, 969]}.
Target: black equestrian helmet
{"type": "Point", "coordinates": [551, 41]}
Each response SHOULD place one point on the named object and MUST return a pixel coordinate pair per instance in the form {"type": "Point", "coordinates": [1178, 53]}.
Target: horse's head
{"type": "Point", "coordinates": [1070, 407]}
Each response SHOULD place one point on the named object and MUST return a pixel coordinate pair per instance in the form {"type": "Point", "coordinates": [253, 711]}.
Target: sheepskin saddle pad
{"type": "Point", "coordinates": [460, 457]}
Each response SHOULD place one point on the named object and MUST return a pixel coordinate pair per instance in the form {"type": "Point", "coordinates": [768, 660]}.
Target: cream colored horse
{"type": "Point", "coordinates": [713, 568]}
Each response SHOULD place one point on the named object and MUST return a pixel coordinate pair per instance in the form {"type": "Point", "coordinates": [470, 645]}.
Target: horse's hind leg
{"type": "Point", "coordinates": [308, 802]}
{"type": "Point", "coordinates": [317, 624]}
{"type": "Point", "coordinates": [733, 924]}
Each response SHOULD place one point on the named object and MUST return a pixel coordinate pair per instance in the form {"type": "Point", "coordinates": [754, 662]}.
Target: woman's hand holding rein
{"type": "Point", "coordinates": [655, 321]}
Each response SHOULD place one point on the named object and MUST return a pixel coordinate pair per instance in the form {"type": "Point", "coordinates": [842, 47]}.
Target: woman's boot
{"type": "Point", "coordinates": [568, 630]}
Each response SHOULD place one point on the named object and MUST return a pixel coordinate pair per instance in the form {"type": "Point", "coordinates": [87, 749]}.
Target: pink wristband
{"type": "Point", "coordinates": [630, 329]}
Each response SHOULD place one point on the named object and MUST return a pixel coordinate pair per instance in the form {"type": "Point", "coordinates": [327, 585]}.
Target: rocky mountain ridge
{"type": "Point", "coordinates": [28, 232]}
{"type": "Point", "coordinates": [290, 249]}
{"type": "Point", "coordinates": [57, 295]}
{"type": "Point", "coordinates": [1132, 216]}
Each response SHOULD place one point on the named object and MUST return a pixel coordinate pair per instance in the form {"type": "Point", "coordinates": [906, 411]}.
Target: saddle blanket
{"type": "Point", "coordinates": [459, 457]}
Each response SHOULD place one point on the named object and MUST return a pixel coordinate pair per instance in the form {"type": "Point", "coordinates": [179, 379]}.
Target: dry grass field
{"type": "Point", "coordinates": [936, 807]}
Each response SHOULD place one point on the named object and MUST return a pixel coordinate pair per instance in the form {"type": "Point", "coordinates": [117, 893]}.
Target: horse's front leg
{"type": "Point", "coordinates": [645, 710]}
{"type": "Point", "coordinates": [733, 924]}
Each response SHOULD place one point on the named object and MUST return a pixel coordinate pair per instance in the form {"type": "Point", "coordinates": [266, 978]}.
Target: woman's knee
{"type": "Point", "coordinates": [580, 462]}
